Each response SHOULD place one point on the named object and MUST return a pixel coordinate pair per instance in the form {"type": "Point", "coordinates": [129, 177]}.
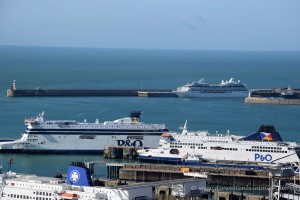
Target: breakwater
{"type": "Point", "coordinates": [81, 92]}
{"type": "Point", "coordinates": [272, 100]}
{"type": "Point", "coordinates": [38, 92]}
{"type": "Point", "coordinates": [284, 96]}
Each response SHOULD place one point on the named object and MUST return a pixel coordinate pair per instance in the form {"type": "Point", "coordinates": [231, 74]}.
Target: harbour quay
{"type": "Point", "coordinates": [280, 183]}
{"type": "Point", "coordinates": [271, 100]}
{"type": "Point", "coordinates": [116, 152]}
{"type": "Point", "coordinates": [237, 181]}
{"type": "Point", "coordinates": [281, 96]}
{"type": "Point", "coordinates": [159, 172]}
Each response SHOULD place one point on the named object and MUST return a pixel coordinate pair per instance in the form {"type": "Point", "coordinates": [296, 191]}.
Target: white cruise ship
{"type": "Point", "coordinates": [263, 147]}
{"type": "Point", "coordinates": [70, 136]}
{"type": "Point", "coordinates": [230, 88]}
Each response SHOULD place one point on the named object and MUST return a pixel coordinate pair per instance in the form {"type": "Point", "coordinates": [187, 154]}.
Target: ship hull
{"type": "Point", "coordinates": [177, 160]}
{"type": "Point", "coordinates": [74, 144]}
{"type": "Point", "coordinates": [52, 151]}
{"type": "Point", "coordinates": [190, 94]}
{"type": "Point", "coordinates": [160, 159]}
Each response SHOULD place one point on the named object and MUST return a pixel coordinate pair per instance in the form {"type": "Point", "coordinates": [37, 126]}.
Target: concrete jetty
{"type": "Point", "coordinates": [116, 152]}
{"type": "Point", "coordinates": [156, 94]}
{"type": "Point", "coordinates": [39, 92]}
{"type": "Point", "coordinates": [271, 100]}
{"type": "Point", "coordinates": [282, 96]}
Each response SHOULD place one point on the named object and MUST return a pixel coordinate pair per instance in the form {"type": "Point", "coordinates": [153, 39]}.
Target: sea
{"type": "Point", "coordinates": [92, 68]}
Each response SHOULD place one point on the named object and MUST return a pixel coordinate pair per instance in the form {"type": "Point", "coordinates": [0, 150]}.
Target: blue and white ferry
{"type": "Point", "coordinates": [264, 147]}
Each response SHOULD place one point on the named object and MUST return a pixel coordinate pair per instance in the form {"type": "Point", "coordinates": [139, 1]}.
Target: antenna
{"type": "Point", "coordinates": [10, 162]}
{"type": "Point", "coordinates": [184, 128]}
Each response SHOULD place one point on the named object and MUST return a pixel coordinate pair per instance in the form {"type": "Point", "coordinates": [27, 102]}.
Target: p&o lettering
{"type": "Point", "coordinates": [129, 143]}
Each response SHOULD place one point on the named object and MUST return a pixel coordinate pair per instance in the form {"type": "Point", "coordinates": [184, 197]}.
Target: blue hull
{"type": "Point", "coordinates": [156, 159]}
{"type": "Point", "coordinates": [168, 160]}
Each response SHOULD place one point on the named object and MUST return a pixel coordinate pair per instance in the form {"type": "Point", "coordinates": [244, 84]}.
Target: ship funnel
{"type": "Point", "coordinates": [79, 174]}
{"type": "Point", "coordinates": [135, 114]}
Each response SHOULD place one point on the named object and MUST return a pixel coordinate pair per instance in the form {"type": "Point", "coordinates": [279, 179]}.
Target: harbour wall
{"type": "Point", "coordinates": [271, 100]}
{"type": "Point", "coordinates": [70, 93]}
{"type": "Point", "coordinates": [222, 183]}
{"type": "Point", "coordinates": [219, 176]}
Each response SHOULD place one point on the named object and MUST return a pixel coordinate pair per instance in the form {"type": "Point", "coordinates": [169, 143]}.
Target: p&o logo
{"type": "Point", "coordinates": [75, 176]}
{"type": "Point", "coordinates": [261, 157]}
{"type": "Point", "coordinates": [135, 143]}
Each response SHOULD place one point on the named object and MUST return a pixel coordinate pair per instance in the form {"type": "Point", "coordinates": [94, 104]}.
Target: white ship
{"type": "Point", "coordinates": [70, 136]}
{"type": "Point", "coordinates": [229, 88]}
{"type": "Point", "coordinates": [80, 185]}
{"type": "Point", "coordinates": [263, 147]}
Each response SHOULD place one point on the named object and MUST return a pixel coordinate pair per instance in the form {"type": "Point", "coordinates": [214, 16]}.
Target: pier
{"type": "Point", "coordinates": [281, 96]}
{"type": "Point", "coordinates": [156, 94]}
{"type": "Point", "coordinates": [99, 93]}
{"type": "Point", "coordinates": [271, 100]}
{"type": "Point", "coordinates": [39, 92]}
{"type": "Point", "coordinates": [145, 172]}
{"type": "Point", "coordinates": [239, 184]}
{"type": "Point", "coordinates": [117, 152]}
{"type": "Point", "coordinates": [219, 176]}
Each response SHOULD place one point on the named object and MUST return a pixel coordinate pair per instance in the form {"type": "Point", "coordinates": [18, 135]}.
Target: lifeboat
{"type": "Point", "coordinates": [69, 196]}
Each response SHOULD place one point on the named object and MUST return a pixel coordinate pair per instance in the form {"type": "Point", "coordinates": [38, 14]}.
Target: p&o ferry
{"type": "Point", "coordinates": [264, 147]}
{"type": "Point", "coordinates": [70, 136]}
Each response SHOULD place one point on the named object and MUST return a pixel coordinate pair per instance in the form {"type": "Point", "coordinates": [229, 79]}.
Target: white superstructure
{"type": "Point", "coordinates": [265, 146]}
{"type": "Point", "coordinates": [230, 88]}
{"type": "Point", "coordinates": [70, 136]}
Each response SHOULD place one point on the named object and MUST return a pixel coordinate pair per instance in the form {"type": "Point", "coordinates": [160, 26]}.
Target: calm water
{"type": "Point", "coordinates": [73, 68]}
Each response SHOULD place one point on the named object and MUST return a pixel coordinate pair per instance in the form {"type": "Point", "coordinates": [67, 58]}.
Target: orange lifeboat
{"type": "Point", "coordinates": [69, 196]}
{"type": "Point", "coordinates": [165, 135]}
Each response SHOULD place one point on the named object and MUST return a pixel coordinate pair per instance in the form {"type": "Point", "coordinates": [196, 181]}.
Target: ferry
{"type": "Point", "coordinates": [264, 147]}
{"type": "Point", "coordinates": [70, 136]}
{"type": "Point", "coordinates": [230, 88]}
{"type": "Point", "coordinates": [80, 185]}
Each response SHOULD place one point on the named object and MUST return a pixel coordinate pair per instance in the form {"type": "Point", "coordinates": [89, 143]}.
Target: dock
{"type": "Point", "coordinates": [146, 172]}
{"type": "Point", "coordinates": [159, 171]}
{"type": "Point", "coordinates": [272, 100]}
{"type": "Point", "coordinates": [219, 176]}
{"type": "Point", "coordinates": [281, 96]}
{"type": "Point", "coordinates": [117, 152]}
{"type": "Point", "coordinates": [238, 183]}
{"type": "Point", "coordinates": [156, 94]}
{"type": "Point", "coordinates": [226, 182]}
